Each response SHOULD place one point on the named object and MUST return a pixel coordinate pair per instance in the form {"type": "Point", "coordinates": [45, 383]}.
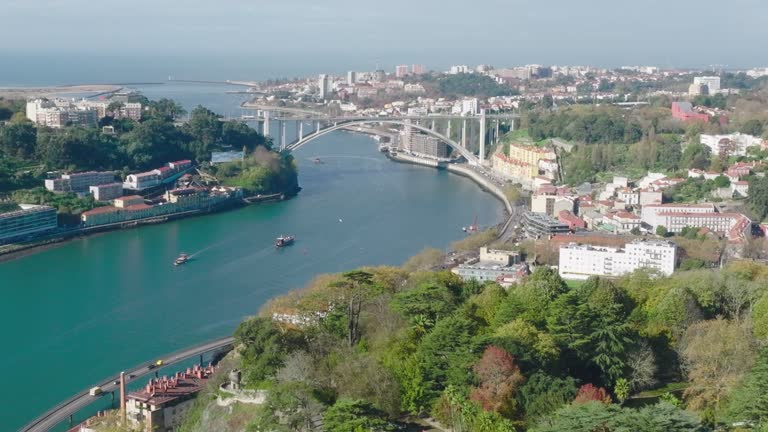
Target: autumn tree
{"type": "Point", "coordinates": [590, 393]}
{"type": "Point", "coordinates": [500, 379]}
{"type": "Point", "coordinates": [717, 354]}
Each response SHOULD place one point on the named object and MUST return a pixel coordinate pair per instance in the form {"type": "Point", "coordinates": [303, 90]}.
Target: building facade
{"type": "Point", "coordinates": [735, 144]}
{"type": "Point", "coordinates": [581, 262]}
{"type": "Point", "coordinates": [163, 403]}
{"type": "Point", "coordinates": [79, 182]}
{"type": "Point", "coordinates": [30, 220]}
{"type": "Point", "coordinates": [107, 191]}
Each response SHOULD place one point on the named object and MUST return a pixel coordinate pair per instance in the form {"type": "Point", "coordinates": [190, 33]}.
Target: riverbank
{"type": "Point", "coordinates": [36, 92]}
{"type": "Point", "coordinates": [15, 251]}
{"type": "Point", "coordinates": [464, 171]}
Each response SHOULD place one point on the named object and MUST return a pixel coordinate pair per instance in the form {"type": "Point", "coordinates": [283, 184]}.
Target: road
{"type": "Point", "coordinates": [71, 406]}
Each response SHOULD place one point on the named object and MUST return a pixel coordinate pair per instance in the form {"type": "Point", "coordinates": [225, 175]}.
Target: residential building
{"type": "Point", "coordinates": [140, 181]}
{"type": "Point", "coordinates": [423, 144]}
{"type": "Point", "coordinates": [459, 69]}
{"type": "Point", "coordinates": [581, 262]}
{"type": "Point", "coordinates": [523, 163]}
{"type": "Point", "coordinates": [650, 197]}
{"type": "Point", "coordinates": [162, 405]}
{"type": "Point", "coordinates": [79, 182]}
{"type": "Point", "coordinates": [351, 78]}
{"type": "Point", "coordinates": [30, 220]}
{"type": "Point", "coordinates": [58, 113]}
{"type": "Point", "coordinates": [107, 191]}
{"type": "Point", "coordinates": [573, 221]}
{"type": "Point", "coordinates": [466, 106]}
{"type": "Point", "coordinates": [552, 205]}
{"type": "Point", "coordinates": [418, 69]}
{"type": "Point", "coordinates": [539, 225]}
{"type": "Point", "coordinates": [734, 144]}
{"type": "Point", "coordinates": [401, 71]}
{"type": "Point", "coordinates": [711, 82]}
{"type": "Point", "coordinates": [623, 221]}
{"type": "Point", "coordinates": [683, 111]}
{"type": "Point", "coordinates": [324, 86]}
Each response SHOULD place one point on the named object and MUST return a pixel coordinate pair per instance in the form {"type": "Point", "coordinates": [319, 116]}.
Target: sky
{"type": "Point", "coordinates": [363, 33]}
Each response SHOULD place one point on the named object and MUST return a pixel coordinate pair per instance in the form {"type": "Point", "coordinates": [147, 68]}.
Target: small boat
{"type": "Point", "coordinates": [182, 259]}
{"type": "Point", "coordinates": [283, 241]}
{"type": "Point", "coordinates": [318, 161]}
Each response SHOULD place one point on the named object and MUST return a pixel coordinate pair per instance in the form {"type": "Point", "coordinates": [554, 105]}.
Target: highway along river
{"type": "Point", "coordinates": [77, 313]}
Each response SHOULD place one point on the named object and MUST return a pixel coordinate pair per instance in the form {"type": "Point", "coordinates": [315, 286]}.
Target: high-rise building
{"type": "Point", "coordinates": [323, 83]}
{"type": "Point", "coordinates": [351, 77]}
{"type": "Point", "coordinates": [712, 83]}
{"type": "Point", "coordinates": [418, 69]}
{"type": "Point", "coordinates": [401, 71]}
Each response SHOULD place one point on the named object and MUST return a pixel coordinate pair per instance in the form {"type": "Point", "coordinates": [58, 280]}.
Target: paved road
{"type": "Point", "coordinates": [71, 406]}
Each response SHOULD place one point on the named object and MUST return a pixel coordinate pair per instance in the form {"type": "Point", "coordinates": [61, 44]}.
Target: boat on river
{"type": "Point", "coordinates": [284, 241]}
{"type": "Point", "coordinates": [182, 259]}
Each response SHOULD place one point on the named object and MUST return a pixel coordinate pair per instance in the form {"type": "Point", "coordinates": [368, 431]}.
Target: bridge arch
{"type": "Point", "coordinates": [469, 156]}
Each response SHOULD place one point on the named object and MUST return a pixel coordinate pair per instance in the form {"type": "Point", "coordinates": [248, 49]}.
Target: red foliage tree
{"type": "Point", "coordinates": [590, 393]}
{"type": "Point", "coordinates": [499, 378]}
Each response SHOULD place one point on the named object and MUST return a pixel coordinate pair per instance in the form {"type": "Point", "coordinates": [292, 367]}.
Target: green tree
{"type": "Point", "coordinates": [18, 140]}
{"type": "Point", "coordinates": [348, 415]}
{"type": "Point", "coordinates": [753, 127]}
{"type": "Point", "coordinates": [352, 291]}
{"type": "Point", "coordinates": [544, 394]}
{"type": "Point", "coordinates": [749, 401]}
{"type": "Point", "coordinates": [428, 302]}
{"type": "Point", "coordinates": [621, 389]}
{"type": "Point", "coordinates": [758, 197]}
{"type": "Point", "coordinates": [263, 348]}
{"type": "Point", "coordinates": [661, 231]}
{"type": "Point", "coordinates": [592, 417]}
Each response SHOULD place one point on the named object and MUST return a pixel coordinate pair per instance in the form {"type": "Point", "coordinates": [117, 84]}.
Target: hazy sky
{"type": "Point", "coordinates": [435, 32]}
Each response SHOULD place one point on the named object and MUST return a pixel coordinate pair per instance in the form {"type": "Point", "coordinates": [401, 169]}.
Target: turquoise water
{"type": "Point", "coordinates": [89, 308]}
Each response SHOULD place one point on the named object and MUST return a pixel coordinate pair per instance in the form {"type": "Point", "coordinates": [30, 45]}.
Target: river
{"type": "Point", "coordinates": [79, 312]}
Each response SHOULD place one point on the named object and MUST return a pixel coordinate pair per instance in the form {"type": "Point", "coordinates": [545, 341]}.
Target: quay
{"type": "Point", "coordinates": [68, 408]}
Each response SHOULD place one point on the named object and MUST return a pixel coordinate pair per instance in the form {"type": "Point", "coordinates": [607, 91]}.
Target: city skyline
{"type": "Point", "coordinates": [437, 34]}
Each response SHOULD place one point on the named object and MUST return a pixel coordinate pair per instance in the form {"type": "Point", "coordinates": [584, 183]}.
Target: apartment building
{"type": "Point", "coordinates": [582, 261]}
{"type": "Point", "coordinates": [79, 182]}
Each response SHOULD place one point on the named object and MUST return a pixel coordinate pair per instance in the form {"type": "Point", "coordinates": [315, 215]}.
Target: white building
{"type": "Point", "coordinates": [467, 106]}
{"type": "Point", "coordinates": [79, 182]}
{"type": "Point", "coordinates": [734, 144]}
{"type": "Point", "coordinates": [583, 261]}
{"type": "Point", "coordinates": [712, 83]}
{"type": "Point", "coordinates": [650, 214]}
{"type": "Point", "coordinates": [459, 69]}
{"type": "Point", "coordinates": [351, 77]}
{"type": "Point", "coordinates": [106, 192]}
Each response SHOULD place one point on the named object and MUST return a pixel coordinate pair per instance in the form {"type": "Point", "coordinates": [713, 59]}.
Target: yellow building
{"type": "Point", "coordinates": [524, 162]}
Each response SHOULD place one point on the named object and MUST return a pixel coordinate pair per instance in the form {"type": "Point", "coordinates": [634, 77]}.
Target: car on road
{"type": "Point", "coordinates": [95, 391]}
{"type": "Point", "coordinates": [116, 382]}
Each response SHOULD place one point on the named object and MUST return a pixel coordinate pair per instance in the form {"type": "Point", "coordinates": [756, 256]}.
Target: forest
{"type": "Point", "coordinates": [374, 348]}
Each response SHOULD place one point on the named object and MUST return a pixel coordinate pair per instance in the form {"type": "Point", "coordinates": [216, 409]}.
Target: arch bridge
{"type": "Point", "coordinates": [473, 131]}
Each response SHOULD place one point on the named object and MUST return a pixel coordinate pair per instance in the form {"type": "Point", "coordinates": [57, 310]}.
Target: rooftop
{"type": "Point", "coordinates": [161, 391]}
